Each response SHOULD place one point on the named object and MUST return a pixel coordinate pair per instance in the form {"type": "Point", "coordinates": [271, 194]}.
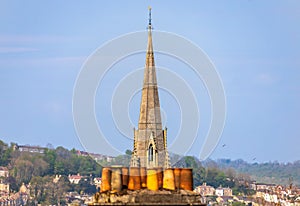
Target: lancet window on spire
{"type": "Point", "coordinates": [150, 155]}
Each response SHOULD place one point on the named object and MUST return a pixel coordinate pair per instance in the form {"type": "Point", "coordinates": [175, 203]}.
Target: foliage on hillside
{"type": "Point", "coordinates": [26, 167]}
{"type": "Point", "coordinates": [214, 176]}
{"type": "Point", "coordinates": [271, 172]}
{"type": "Point", "coordinates": [5, 153]}
{"type": "Point", "coordinates": [47, 192]}
{"type": "Point", "coordinates": [29, 167]}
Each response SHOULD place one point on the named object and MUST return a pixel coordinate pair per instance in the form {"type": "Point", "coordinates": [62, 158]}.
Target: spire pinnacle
{"type": "Point", "coordinates": [149, 8]}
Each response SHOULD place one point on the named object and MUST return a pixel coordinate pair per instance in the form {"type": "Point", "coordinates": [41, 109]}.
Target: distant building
{"type": "Point", "coordinates": [29, 148]}
{"type": "Point", "coordinates": [205, 190]}
{"type": "Point", "coordinates": [96, 157]}
{"type": "Point", "coordinates": [109, 158]}
{"type": "Point", "coordinates": [24, 194]}
{"type": "Point", "coordinates": [270, 198]}
{"type": "Point", "coordinates": [74, 179]}
{"type": "Point", "coordinates": [224, 199]}
{"type": "Point", "coordinates": [263, 186]}
{"type": "Point", "coordinates": [82, 153]}
{"type": "Point", "coordinates": [221, 191]}
{"type": "Point", "coordinates": [227, 191]}
{"type": "Point", "coordinates": [23, 189]}
{"type": "Point", "coordinates": [56, 178]}
{"type": "Point", "coordinates": [4, 172]}
{"type": "Point", "coordinates": [4, 187]}
{"type": "Point", "coordinates": [97, 182]}
{"type": "Point", "coordinates": [252, 185]}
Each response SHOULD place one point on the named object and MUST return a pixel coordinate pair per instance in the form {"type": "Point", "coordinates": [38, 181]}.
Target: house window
{"type": "Point", "coordinates": [150, 153]}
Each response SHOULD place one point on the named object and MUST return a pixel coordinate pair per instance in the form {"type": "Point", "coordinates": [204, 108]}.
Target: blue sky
{"type": "Point", "coordinates": [255, 46]}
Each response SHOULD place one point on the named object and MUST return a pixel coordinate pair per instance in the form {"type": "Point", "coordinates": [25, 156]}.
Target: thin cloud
{"type": "Point", "coordinates": [266, 78]}
{"type": "Point", "coordinates": [17, 49]}
{"type": "Point", "coordinates": [55, 62]}
{"type": "Point", "coordinates": [55, 107]}
{"type": "Point", "coordinates": [34, 39]}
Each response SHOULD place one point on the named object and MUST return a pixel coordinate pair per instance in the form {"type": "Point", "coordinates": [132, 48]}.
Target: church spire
{"type": "Point", "coordinates": [149, 148]}
{"type": "Point", "coordinates": [150, 107]}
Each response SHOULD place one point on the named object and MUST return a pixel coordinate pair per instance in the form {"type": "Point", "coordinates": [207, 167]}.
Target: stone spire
{"type": "Point", "coordinates": [150, 108]}
{"type": "Point", "coordinates": [149, 140]}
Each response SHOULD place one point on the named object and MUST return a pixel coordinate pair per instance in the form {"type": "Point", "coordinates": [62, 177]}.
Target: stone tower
{"type": "Point", "coordinates": [150, 140]}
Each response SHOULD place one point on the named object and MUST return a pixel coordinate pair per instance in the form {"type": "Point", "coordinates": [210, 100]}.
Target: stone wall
{"type": "Point", "coordinates": [147, 197]}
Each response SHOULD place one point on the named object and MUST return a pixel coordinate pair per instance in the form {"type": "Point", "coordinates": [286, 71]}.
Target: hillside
{"type": "Point", "coordinates": [63, 161]}
{"type": "Point", "coordinates": [271, 172]}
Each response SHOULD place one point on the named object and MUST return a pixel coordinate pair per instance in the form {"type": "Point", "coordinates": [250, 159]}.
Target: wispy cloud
{"type": "Point", "coordinates": [55, 62]}
{"type": "Point", "coordinates": [16, 49]}
{"type": "Point", "coordinates": [17, 39]}
{"type": "Point", "coordinates": [266, 78]}
{"type": "Point", "coordinates": [55, 107]}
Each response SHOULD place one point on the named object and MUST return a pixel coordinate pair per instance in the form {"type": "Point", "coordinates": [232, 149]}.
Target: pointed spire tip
{"type": "Point", "coordinates": [149, 8]}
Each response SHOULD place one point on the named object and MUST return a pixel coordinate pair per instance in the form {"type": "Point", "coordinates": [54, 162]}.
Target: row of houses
{"type": "Point", "coordinates": [41, 150]}
{"type": "Point", "coordinates": [75, 179]}
{"type": "Point", "coordinates": [96, 157]}
{"type": "Point", "coordinates": [19, 198]}
{"type": "Point", "coordinates": [265, 194]}
{"type": "Point", "coordinates": [207, 190]}
{"type": "Point", "coordinates": [29, 148]}
{"type": "Point", "coordinates": [4, 185]}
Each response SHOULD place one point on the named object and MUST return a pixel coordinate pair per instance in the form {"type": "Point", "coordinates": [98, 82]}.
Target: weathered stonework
{"type": "Point", "coordinates": [147, 197]}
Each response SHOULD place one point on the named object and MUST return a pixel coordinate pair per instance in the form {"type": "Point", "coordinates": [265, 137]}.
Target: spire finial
{"type": "Point", "coordinates": [149, 8]}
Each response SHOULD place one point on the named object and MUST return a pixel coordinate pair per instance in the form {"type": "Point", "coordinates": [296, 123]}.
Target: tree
{"type": "Point", "coordinates": [12, 183]}
{"type": "Point", "coordinates": [50, 157]}
{"type": "Point", "coordinates": [37, 189]}
{"type": "Point", "coordinates": [56, 191]}
{"type": "Point", "coordinates": [85, 187]}
{"type": "Point", "coordinates": [23, 170]}
{"type": "Point", "coordinates": [128, 152]}
{"type": "Point", "coordinates": [210, 175]}
{"type": "Point", "coordinates": [230, 173]}
{"type": "Point", "coordinates": [27, 165]}
{"type": "Point", "coordinates": [188, 161]}
{"type": "Point", "coordinates": [47, 192]}
{"type": "Point", "coordinates": [191, 162]}
{"type": "Point", "coordinates": [199, 176]}
{"type": "Point", "coordinates": [49, 146]}
{"type": "Point", "coordinates": [5, 153]}
{"type": "Point", "coordinates": [40, 167]}
{"type": "Point", "coordinates": [59, 168]}
{"type": "Point", "coordinates": [63, 152]}
{"type": "Point", "coordinates": [122, 160]}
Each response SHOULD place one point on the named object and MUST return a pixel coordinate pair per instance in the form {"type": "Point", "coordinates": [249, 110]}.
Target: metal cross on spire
{"type": "Point", "coordinates": [149, 15]}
